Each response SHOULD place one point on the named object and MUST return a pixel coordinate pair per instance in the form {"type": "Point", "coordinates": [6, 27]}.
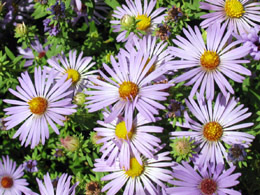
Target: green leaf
{"type": "Point", "coordinates": [9, 53]}
{"type": "Point", "coordinates": [112, 3]}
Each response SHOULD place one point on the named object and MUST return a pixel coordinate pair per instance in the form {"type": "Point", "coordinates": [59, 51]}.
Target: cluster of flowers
{"type": "Point", "coordinates": [129, 94]}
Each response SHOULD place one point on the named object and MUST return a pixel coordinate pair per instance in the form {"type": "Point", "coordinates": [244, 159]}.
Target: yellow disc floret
{"type": "Point", "coordinates": [234, 8]}
{"type": "Point", "coordinates": [212, 131]}
{"type": "Point", "coordinates": [209, 60]}
{"type": "Point", "coordinates": [128, 90]}
{"type": "Point", "coordinates": [144, 22]}
{"type": "Point", "coordinates": [38, 105]}
{"type": "Point", "coordinates": [135, 168]}
{"type": "Point", "coordinates": [73, 75]}
{"type": "Point", "coordinates": [7, 182]}
{"type": "Point", "coordinates": [121, 131]}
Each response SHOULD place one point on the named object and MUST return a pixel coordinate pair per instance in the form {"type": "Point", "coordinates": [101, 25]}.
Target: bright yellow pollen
{"type": "Point", "coordinates": [121, 131]}
{"type": "Point", "coordinates": [128, 90]}
{"type": "Point", "coordinates": [144, 23]}
{"type": "Point", "coordinates": [212, 131]}
{"type": "Point", "coordinates": [7, 182]}
{"type": "Point", "coordinates": [234, 8]}
{"type": "Point", "coordinates": [73, 75]}
{"type": "Point", "coordinates": [38, 105]}
{"type": "Point", "coordinates": [209, 60]}
{"type": "Point", "coordinates": [135, 168]}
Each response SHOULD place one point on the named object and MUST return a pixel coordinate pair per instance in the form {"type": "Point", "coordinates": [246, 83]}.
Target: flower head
{"type": "Point", "coordinates": [77, 69]}
{"type": "Point", "coordinates": [93, 188]}
{"type": "Point", "coordinates": [130, 88]}
{"type": "Point", "coordinates": [163, 32]}
{"type": "Point", "coordinates": [146, 19]}
{"type": "Point", "coordinates": [30, 166]}
{"type": "Point", "coordinates": [58, 9]}
{"type": "Point", "coordinates": [213, 180]}
{"type": "Point", "coordinates": [215, 126]}
{"type": "Point", "coordinates": [122, 144]}
{"type": "Point", "coordinates": [63, 185]}
{"type": "Point", "coordinates": [52, 29]}
{"type": "Point", "coordinates": [41, 103]}
{"type": "Point", "coordinates": [238, 14]}
{"type": "Point", "coordinates": [70, 143]}
{"type": "Point", "coordinates": [174, 109]}
{"type": "Point", "coordinates": [236, 153]}
{"type": "Point", "coordinates": [209, 63]}
{"type": "Point", "coordinates": [139, 177]}
{"type": "Point", "coordinates": [10, 178]}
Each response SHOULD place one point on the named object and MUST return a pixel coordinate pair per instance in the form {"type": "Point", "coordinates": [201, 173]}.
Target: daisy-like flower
{"type": "Point", "coordinates": [209, 63]}
{"type": "Point", "coordinates": [130, 88]}
{"type": "Point", "coordinates": [216, 125]}
{"type": "Point", "coordinates": [213, 180]}
{"type": "Point", "coordinates": [30, 166]}
{"type": "Point", "coordinates": [82, 11]}
{"type": "Point", "coordinates": [252, 40]}
{"type": "Point", "coordinates": [118, 142]}
{"type": "Point", "coordinates": [63, 186]}
{"type": "Point", "coordinates": [40, 104]}
{"type": "Point", "coordinates": [240, 15]}
{"type": "Point", "coordinates": [146, 18]}
{"type": "Point", "coordinates": [10, 178]}
{"type": "Point", "coordinates": [28, 52]}
{"type": "Point", "coordinates": [139, 178]}
{"type": "Point", "coordinates": [76, 68]}
{"type": "Point", "coordinates": [148, 45]}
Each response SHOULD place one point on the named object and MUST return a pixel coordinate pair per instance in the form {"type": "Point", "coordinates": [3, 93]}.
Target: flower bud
{"type": "Point", "coordinates": [79, 99]}
{"type": "Point", "coordinates": [127, 21]}
{"type": "Point", "coordinates": [70, 143]}
{"type": "Point", "coordinates": [20, 30]}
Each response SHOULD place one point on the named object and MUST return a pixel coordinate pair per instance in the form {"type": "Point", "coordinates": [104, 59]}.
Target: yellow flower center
{"type": "Point", "coordinates": [209, 60]}
{"type": "Point", "coordinates": [73, 75]}
{"type": "Point", "coordinates": [212, 131]}
{"type": "Point", "coordinates": [234, 8]}
{"type": "Point", "coordinates": [144, 22]}
{"type": "Point", "coordinates": [128, 90]}
{"type": "Point", "coordinates": [121, 131]}
{"type": "Point", "coordinates": [135, 168]}
{"type": "Point", "coordinates": [151, 69]}
{"type": "Point", "coordinates": [38, 105]}
{"type": "Point", "coordinates": [7, 182]}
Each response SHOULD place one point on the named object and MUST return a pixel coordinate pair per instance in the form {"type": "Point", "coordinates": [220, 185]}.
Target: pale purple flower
{"type": "Point", "coordinates": [149, 18]}
{"type": "Point", "coordinates": [63, 186]}
{"type": "Point", "coordinates": [52, 29]}
{"type": "Point", "coordinates": [213, 180]}
{"type": "Point", "coordinates": [148, 45]}
{"type": "Point", "coordinates": [41, 103]}
{"type": "Point", "coordinates": [29, 55]}
{"type": "Point", "coordinates": [81, 10]}
{"type": "Point", "coordinates": [58, 10]}
{"type": "Point", "coordinates": [209, 63]}
{"type": "Point", "coordinates": [139, 178]}
{"type": "Point", "coordinates": [77, 69]}
{"type": "Point", "coordinates": [130, 88]}
{"type": "Point", "coordinates": [236, 153]}
{"type": "Point", "coordinates": [252, 40]}
{"type": "Point", "coordinates": [216, 125]}
{"type": "Point", "coordinates": [30, 166]}
{"type": "Point", "coordinates": [239, 15]}
{"type": "Point", "coordinates": [118, 143]}
{"type": "Point", "coordinates": [10, 178]}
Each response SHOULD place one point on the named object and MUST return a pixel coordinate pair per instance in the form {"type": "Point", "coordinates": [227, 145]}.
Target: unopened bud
{"type": "Point", "coordinates": [20, 30]}
{"type": "Point", "coordinates": [127, 21]}
{"type": "Point", "coordinates": [79, 99]}
{"type": "Point", "coordinates": [70, 143]}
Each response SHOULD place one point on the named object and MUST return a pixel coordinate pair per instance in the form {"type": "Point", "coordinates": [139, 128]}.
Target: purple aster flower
{"type": "Point", "coordinates": [40, 104]}
{"type": "Point", "coordinates": [174, 14]}
{"type": "Point", "coordinates": [130, 88]}
{"type": "Point", "coordinates": [63, 185]}
{"type": "Point", "coordinates": [58, 10]}
{"type": "Point", "coordinates": [252, 40]}
{"type": "Point", "coordinates": [174, 109]}
{"type": "Point", "coordinates": [58, 153]}
{"type": "Point", "coordinates": [28, 52]}
{"type": "Point", "coordinates": [209, 63]}
{"type": "Point", "coordinates": [163, 31]}
{"type": "Point", "coordinates": [214, 126]}
{"type": "Point", "coordinates": [213, 180]}
{"type": "Point", "coordinates": [122, 144]}
{"type": "Point", "coordinates": [148, 45]}
{"type": "Point", "coordinates": [81, 10]}
{"type": "Point", "coordinates": [52, 29]}
{"type": "Point", "coordinates": [148, 19]}
{"type": "Point", "coordinates": [10, 178]}
{"type": "Point", "coordinates": [77, 69]}
{"type": "Point", "coordinates": [239, 15]}
{"type": "Point", "coordinates": [139, 177]}
{"type": "Point", "coordinates": [236, 153]}
{"type": "Point", "coordinates": [30, 166]}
